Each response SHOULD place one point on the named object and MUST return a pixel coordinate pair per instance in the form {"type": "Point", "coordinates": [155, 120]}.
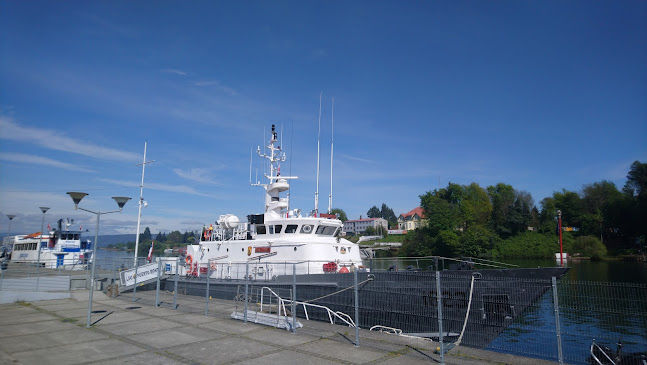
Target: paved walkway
{"type": "Point", "coordinates": [127, 332]}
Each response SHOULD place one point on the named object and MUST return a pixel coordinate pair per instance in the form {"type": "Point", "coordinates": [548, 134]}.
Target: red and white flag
{"type": "Point", "coordinates": [149, 258]}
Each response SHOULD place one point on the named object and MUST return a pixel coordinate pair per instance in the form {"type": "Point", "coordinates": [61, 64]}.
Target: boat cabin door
{"type": "Point", "coordinates": [59, 260]}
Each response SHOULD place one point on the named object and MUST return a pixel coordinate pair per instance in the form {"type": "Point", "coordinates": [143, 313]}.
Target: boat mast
{"type": "Point", "coordinates": [318, 140]}
{"type": "Point", "coordinates": [141, 201]}
{"type": "Point", "coordinates": [332, 132]}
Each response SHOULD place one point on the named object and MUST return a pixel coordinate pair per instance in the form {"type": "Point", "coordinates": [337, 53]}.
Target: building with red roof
{"type": "Point", "coordinates": [411, 220]}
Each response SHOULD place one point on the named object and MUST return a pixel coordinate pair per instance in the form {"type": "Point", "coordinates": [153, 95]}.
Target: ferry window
{"type": "Point", "coordinates": [278, 228]}
{"type": "Point", "coordinates": [291, 228]}
{"type": "Point", "coordinates": [306, 228]}
{"type": "Point", "coordinates": [275, 198]}
{"type": "Point", "coordinates": [326, 230]}
{"type": "Point", "coordinates": [260, 229]}
{"type": "Point", "coordinates": [76, 236]}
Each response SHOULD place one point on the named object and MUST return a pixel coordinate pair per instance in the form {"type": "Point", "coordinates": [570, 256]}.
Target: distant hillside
{"type": "Point", "coordinates": [112, 239]}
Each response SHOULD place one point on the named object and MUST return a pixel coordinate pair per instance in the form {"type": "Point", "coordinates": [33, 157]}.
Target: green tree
{"type": "Point", "coordinates": [340, 213]}
{"type": "Point", "coordinates": [503, 198]}
{"type": "Point", "coordinates": [477, 207]}
{"type": "Point", "coordinates": [441, 215]}
{"type": "Point", "coordinates": [146, 236]}
{"type": "Point", "coordinates": [370, 231]}
{"type": "Point", "coordinates": [474, 241]}
{"type": "Point", "coordinates": [588, 246]}
{"type": "Point", "coordinates": [388, 214]}
{"type": "Point", "coordinates": [374, 212]}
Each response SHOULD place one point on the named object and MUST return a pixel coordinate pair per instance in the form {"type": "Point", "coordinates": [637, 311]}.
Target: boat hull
{"type": "Point", "coordinates": [404, 300]}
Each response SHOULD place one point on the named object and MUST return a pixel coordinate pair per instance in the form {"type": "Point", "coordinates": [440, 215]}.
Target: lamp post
{"type": "Point", "coordinates": [76, 197]}
{"type": "Point", "coordinates": [559, 227]}
{"type": "Point", "coordinates": [40, 242]}
{"type": "Point", "coordinates": [11, 217]}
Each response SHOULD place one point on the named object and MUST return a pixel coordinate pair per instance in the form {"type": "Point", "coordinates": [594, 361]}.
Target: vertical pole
{"type": "Point", "coordinates": [40, 243]}
{"type": "Point", "coordinates": [559, 228]}
{"type": "Point", "coordinates": [246, 290]}
{"type": "Point", "coordinates": [177, 266]}
{"type": "Point", "coordinates": [157, 288]}
{"type": "Point", "coordinates": [294, 298]}
{"type": "Point", "coordinates": [356, 289]}
{"type": "Point", "coordinates": [94, 263]}
{"type": "Point", "coordinates": [557, 328]}
{"type": "Point", "coordinates": [206, 296]}
{"type": "Point", "coordinates": [136, 268]}
{"type": "Point", "coordinates": [440, 317]}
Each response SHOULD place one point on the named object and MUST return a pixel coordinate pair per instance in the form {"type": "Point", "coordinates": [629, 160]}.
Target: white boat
{"type": "Point", "coordinates": [60, 248]}
{"type": "Point", "coordinates": [278, 236]}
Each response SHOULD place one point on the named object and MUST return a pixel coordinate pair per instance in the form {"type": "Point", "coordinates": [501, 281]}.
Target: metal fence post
{"type": "Point", "coordinates": [557, 329]}
{"type": "Point", "coordinates": [294, 298]}
{"type": "Point", "coordinates": [356, 289]}
{"type": "Point", "coordinates": [246, 290]}
{"type": "Point", "coordinates": [440, 318]}
{"type": "Point", "coordinates": [177, 267]}
{"type": "Point", "coordinates": [157, 288]}
{"type": "Point", "coordinates": [206, 296]}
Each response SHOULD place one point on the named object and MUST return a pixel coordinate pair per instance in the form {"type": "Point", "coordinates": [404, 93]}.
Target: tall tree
{"type": "Point", "coordinates": [374, 212]}
{"type": "Point", "coordinates": [388, 214]}
{"type": "Point", "coordinates": [340, 213]}
{"type": "Point", "coordinates": [502, 197]}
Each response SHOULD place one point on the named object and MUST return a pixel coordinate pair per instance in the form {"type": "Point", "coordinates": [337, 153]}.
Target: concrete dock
{"type": "Point", "coordinates": [137, 332]}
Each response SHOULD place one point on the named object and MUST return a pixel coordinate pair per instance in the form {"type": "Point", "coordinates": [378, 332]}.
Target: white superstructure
{"type": "Point", "coordinates": [60, 248]}
{"type": "Point", "coordinates": [270, 240]}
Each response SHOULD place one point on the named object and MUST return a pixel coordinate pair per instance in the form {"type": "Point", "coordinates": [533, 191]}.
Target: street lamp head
{"type": "Point", "coordinates": [121, 201]}
{"type": "Point", "coordinates": [44, 209]}
{"type": "Point", "coordinates": [76, 197]}
{"type": "Point", "coordinates": [559, 213]}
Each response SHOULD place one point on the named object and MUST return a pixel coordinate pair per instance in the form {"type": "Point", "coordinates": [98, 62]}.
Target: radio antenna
{"type": "Point", "coordinates": [332, 132]}
{"type": "Point", "coordinates": [318, 140]}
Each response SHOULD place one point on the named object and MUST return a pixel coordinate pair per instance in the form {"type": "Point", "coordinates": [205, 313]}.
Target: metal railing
{"type": "Point", "coordinates": [545, 318]}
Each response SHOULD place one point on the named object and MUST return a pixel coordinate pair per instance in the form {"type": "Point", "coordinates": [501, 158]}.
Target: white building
{"type": "Point", "coordinates": [359, 225]}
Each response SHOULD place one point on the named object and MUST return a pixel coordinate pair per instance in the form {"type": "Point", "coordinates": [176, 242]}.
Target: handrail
{"type": "Point", "coordinates": [339, 315]}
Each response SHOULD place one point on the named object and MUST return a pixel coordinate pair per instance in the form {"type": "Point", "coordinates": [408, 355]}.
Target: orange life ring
{"type": "Point", "coordinates": [207, 234]}
{"type": "Point", "coordinates": [188, 259]}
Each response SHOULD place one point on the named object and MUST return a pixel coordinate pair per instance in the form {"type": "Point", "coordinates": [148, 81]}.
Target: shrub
{"type": "Point", "coordinates": [589, 246]}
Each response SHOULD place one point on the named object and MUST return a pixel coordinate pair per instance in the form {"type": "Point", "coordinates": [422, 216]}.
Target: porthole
{"type": "Point", "coordinates": [295, 248]}
{"type": "Point", "coordinates": [227, 249]}
{"type": "Point", "coordinates": [306, 228]}
{"type": "Point", "coordinates": [243, 249]}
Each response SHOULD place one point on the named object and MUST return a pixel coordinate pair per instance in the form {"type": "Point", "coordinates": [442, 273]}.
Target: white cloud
{"type": "Point", "coordinates": [218, 86]}
{"type": "Point", "coordinates": [38, 160]}
{"type": "Point", "coordinates": [196, 174]}
{"type": "Point", "coordinates": [162, 187]}
{"type": "Point", "coordinates": [174, 71]}
{"type": "Point", "coordinates": [55, 140]}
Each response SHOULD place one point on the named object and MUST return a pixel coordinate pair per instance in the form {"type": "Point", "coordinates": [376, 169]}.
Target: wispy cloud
{"type": "Point", "coordinates": [358, 159]}
{"type": "Point", "coordinates": [38, 160]}
{"type": "Point", "coordinates": [57, 141]}
{"type": "Point", "coordinates": [161, 187]}
{"type": "Point", "coordinates": [174, 71]}
{"type": "Point", "coordinates": [218, 86]}
{"type": "Point", "coordinates": [200, 175]}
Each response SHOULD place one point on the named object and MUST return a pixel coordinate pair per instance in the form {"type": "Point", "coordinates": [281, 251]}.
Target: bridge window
{"type": "Point", "coordinates": [291, 228]}
{"type": "Point", "coordinates": [324, 230]}
{"type": "Point", "coordinates": [260, 229]}
{"type": "Point", "coordinates": [278, 228]}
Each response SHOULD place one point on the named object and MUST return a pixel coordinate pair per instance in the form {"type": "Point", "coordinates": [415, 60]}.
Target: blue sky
{"type": "Point", "coordinates": [541, 95]}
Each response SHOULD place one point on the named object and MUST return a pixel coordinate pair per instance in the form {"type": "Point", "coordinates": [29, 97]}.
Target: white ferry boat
{"type": "Point", "coordinates": [60, 248]}
{"type": "Point", "coordinates": [279, 235]}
